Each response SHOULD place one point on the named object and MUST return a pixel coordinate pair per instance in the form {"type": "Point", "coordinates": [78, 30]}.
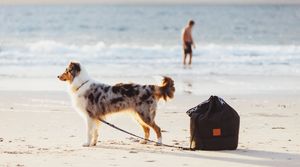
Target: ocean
{"type": "Point", "coordinates": [38, 41]}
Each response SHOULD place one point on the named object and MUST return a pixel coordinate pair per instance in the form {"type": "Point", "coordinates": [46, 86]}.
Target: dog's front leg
{"type": "Point", "coordinates": [89, 131]}
{"type": "Point", "coordinates": [95, 131]}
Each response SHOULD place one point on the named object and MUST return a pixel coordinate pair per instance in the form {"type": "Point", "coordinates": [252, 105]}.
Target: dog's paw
{"type": "Point", "coordinates": [157, 144]}
{"type": "Point", "coordinates": [143, 142]}
{"type": "Point", "coordinates": [85, 144]}
{"type": "Point", "coordinates": [94, 143]}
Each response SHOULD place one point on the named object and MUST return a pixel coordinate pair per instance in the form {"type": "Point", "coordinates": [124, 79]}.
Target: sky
{"type": "Point", "coordinates": [9, 2]}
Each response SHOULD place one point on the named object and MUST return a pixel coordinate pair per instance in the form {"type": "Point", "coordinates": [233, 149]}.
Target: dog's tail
{"type": "Point", "coordinates": [166, 90]}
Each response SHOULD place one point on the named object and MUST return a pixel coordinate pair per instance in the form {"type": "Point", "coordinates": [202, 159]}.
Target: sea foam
{"type": "Point", "coordinates": [123, 60]}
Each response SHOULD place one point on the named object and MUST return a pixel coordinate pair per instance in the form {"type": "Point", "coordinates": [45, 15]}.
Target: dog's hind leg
{"type": "Point", "coordinates": [147, 133]}
{"type": "Point", "coordinates": [90, 126]}
{"type": "Point", "coordinates": [148, 119]}
{"type": "Point", "coordinates": [158, 133]}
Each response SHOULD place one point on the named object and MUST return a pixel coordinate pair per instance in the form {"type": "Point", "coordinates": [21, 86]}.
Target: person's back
{"type": "Point", "coordinates": [187, 41]}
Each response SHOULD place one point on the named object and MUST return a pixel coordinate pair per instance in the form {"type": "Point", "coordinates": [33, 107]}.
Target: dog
{"type": "Point", "coordinates": [94, 100]}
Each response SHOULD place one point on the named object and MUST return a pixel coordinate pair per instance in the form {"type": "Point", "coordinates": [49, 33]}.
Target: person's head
{"type": "Point", "coordinates": [191, 23]}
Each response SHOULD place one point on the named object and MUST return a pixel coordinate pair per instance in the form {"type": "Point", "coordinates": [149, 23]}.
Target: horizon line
{"type": "Point", "coordinates": [158, 2]}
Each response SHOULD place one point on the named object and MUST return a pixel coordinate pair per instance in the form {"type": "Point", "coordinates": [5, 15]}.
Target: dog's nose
{"type": "Point", "coordinates": [58, 76]}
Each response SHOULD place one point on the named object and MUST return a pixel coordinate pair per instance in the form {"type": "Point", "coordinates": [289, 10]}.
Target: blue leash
{"type": "Point", "coordinates": [166, 145]}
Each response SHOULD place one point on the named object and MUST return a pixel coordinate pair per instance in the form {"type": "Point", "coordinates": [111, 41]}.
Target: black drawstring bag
{"type": "Point", "coordinates": [214, 125]}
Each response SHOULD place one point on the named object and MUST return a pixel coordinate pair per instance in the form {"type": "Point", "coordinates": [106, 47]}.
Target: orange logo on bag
{"type": "Point", "coordinates": [217, 132]}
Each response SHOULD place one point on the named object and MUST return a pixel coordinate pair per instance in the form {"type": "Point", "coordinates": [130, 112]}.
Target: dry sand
{"type": "Point", "coordinates": [38, 126]}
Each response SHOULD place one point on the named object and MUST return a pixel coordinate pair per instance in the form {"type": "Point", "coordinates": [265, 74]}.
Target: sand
{"type": "Point", "coordinates": [38, 126]}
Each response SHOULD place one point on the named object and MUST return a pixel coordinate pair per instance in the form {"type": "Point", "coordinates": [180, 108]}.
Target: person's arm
{"type": "Point", "coordinates": [193, 41]}
{"type": "Point", "coordinates": [182, 38]}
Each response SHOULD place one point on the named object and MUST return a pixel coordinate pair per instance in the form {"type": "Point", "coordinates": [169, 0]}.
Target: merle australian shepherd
{"type": "Point", "coordinates": [94, 100]}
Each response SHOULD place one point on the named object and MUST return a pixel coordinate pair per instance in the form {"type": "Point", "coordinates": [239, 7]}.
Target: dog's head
{"type": "Point", "coordinates": [72, 71]}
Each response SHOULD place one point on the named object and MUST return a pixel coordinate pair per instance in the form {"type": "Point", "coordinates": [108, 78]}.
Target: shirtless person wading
{"type": "Point", "coordinates": [187, 41]}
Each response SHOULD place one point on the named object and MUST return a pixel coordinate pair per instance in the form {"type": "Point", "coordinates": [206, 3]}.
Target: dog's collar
{"type": "Point", "coordinates": [82, 85]}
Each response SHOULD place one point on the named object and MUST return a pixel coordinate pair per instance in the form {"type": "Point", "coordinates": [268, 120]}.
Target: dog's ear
{"type": "Point", "coordinates": [74, 68]}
